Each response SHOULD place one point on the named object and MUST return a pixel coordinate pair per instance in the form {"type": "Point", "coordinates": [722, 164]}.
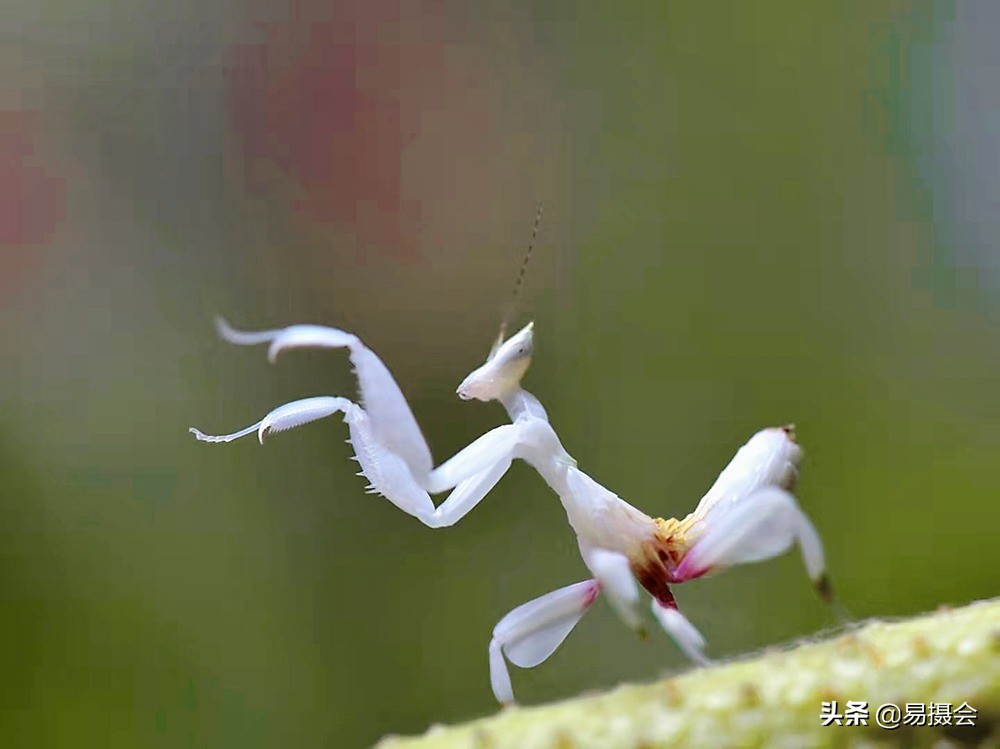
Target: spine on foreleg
{"type": "Point", "coordinates": [387, 473]}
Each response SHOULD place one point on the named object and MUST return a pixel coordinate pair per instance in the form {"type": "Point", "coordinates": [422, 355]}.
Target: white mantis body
{"type": "Point", "coordinates": [747, 515]}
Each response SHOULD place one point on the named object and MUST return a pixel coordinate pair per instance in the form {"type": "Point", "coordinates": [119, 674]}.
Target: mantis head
{"type": "Point", "coordinates": [503, 370]}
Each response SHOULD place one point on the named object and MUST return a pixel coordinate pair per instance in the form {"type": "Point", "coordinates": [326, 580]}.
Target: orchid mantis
{"type": "Point", "coordinates": [748, 514]}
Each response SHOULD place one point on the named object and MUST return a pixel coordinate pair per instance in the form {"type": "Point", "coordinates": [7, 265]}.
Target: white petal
{"type": "Point", "coordinates": [531, 633]}
{"type": "Point", "coordinates": [762, 526]}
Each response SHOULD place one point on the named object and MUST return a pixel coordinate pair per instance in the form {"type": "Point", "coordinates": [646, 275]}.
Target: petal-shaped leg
{"type": "Point", "coordinates": [531, 633]}
{"type": "Point", "coordinates": [769, 458]}
{"type": "Point", "coordinates": [392, 419]}
{"type": "Point", "coordinates": [761, 526]}
{"type": "Point", "coordinates": [285, 417]}
{"type": "Point", "coordinates": [681, 631]}
{"type": "Point", "coordinates": [503, 690]}
{"type": "Point", "coordinates": [614, 573]}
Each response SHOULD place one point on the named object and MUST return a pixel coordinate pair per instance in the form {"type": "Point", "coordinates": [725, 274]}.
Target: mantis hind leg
{"type": "Point", "coordinates": [534, 630]}
{"type": "Point", "coordinates": [762, 526]}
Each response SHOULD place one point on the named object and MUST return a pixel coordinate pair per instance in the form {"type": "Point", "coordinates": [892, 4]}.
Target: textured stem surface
{"type": "Point", "coordinates": [774, 699]}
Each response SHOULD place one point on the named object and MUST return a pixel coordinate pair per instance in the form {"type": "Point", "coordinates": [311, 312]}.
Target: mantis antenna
{"type": "Point", "coordinates": [518, 283]}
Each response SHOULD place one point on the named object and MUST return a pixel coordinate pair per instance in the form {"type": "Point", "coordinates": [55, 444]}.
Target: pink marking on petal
{"type": "Point", "coordinates": [593, 590]}
{"type": "Point", "coordinates": [687, 570]}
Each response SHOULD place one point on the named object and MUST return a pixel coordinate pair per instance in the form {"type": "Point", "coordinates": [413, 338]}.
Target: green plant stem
{"type": "Point", "coordinates": [774, 699]}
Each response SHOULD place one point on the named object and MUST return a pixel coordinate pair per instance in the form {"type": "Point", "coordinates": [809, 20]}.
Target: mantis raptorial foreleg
{"type": "Point", "coordinates": [388, 443]}
{"type": "Point", "coordinates": [472, 475]}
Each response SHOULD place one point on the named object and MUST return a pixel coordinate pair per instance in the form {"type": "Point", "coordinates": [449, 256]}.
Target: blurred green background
{"type": "Point", "coordinates": [753, 215]}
